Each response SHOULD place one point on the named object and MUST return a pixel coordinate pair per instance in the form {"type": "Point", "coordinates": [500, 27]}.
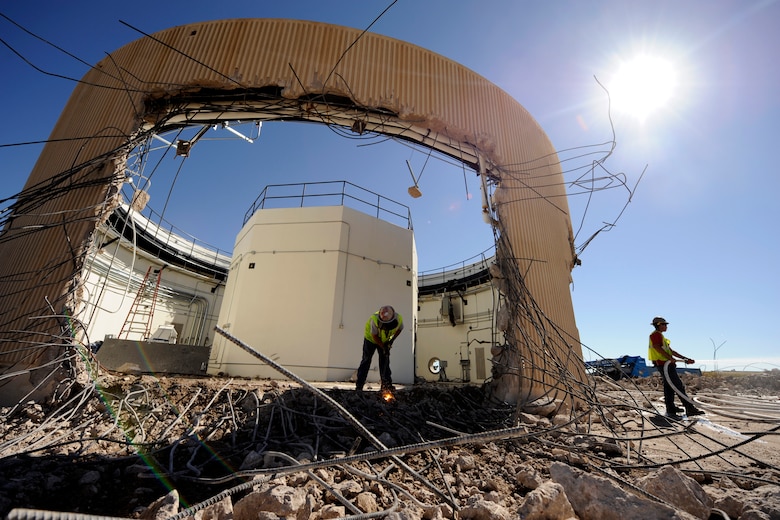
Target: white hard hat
{"type": "Point", "coordinates": [386, 314]}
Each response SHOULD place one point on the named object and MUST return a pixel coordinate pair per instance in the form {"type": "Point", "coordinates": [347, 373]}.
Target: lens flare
{"type": "Point", "coordinates": [643, 85]}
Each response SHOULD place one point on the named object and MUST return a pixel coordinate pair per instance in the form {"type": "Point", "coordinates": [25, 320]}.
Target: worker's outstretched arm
{"type": "Point", "coordinates": [682, 358]}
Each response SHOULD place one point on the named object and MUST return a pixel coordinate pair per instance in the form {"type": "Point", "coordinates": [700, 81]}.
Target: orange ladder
{"type": "Point", "coordinates": [139, 319]}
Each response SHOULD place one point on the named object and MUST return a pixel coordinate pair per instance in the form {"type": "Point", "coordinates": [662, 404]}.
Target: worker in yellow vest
{"type": "Point", "coordinates": [661, 355]}
{"type": "Point", "coordinates": [382, 328]}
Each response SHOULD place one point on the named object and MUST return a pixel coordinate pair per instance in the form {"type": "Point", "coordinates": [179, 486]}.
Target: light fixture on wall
{"type": "Point", "coordinates": [438, 366]}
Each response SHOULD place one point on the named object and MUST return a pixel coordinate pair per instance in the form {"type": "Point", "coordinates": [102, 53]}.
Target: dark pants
{"type": "Point", "coordinates": [669, 393]}
{"type": "Point", "coordinates": [384, 364]}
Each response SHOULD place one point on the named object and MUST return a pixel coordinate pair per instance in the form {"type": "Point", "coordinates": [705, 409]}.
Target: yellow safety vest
{"type": "Point", "coordinates": [653, 353]}
{"type": "Point", "coordinates": [384, 335]}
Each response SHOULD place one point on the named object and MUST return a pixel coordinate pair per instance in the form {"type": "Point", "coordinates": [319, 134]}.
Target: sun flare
{"type": "Point", "coordinates": [643, 85]}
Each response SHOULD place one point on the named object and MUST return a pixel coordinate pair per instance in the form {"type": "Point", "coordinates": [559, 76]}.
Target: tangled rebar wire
{"type": "Point", "coordinates": [214, 433]}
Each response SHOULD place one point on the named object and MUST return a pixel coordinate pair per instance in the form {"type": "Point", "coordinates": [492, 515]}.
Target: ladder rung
{"type": "Point", "coordinates": [147, 312]}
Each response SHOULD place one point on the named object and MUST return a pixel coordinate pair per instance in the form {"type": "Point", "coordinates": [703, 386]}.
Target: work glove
{"type": "Point", "coordinates": [689, 361]}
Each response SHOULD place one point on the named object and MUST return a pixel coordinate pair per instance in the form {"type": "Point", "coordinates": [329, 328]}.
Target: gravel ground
{"type": "Point", "coordinates": [114, 448]}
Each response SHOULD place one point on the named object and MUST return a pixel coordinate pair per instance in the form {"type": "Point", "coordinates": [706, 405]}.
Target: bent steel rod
{"type": "Point", "coordinates": [352, 420]}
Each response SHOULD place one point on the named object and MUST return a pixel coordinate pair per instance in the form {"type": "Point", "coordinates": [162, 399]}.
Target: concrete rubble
{"type": "Point", "coordinates": [569, 494]}
{"type": "Point", "coordinates": [556, 470]}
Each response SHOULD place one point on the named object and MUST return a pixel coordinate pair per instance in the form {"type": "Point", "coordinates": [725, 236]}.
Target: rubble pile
{"type": "Point", "coordinates": [209, 448]}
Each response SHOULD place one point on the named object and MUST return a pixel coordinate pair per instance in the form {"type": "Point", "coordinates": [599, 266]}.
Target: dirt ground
{"type": "Point", "coordinates": [115, 447]}
{"type": "Point", "coordinates": [739, 432]}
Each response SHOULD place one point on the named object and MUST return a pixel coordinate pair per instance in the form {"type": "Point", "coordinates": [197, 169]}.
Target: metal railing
{"type": "Point", "coordinates": [177, 241]}
{"type": "Point", "coordinates": [331, 193]}
{"type": "Point", "coordinates": [466, 268]}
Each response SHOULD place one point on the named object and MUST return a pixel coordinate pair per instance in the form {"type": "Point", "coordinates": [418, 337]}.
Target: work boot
{"type": "Point", "coordinates": [694, 411]}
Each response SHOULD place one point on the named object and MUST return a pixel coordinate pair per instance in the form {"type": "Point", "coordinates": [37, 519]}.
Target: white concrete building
{"type": "Point", "coordinates": [299, 287]}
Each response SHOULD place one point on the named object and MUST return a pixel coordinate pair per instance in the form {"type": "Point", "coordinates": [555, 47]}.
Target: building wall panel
{"type": "Point", "coordinates": [298, 291]}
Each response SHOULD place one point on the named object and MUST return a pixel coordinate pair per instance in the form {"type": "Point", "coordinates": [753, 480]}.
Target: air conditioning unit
{"type": "Point", "coordinates": [165, 334]}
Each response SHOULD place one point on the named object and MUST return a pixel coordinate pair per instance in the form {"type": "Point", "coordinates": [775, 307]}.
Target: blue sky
{"type": "Point", "coordinates": [697, 242]}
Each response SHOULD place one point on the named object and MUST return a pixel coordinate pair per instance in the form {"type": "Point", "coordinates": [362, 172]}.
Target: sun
{"type": "Point", "coordinates": [643, 85]}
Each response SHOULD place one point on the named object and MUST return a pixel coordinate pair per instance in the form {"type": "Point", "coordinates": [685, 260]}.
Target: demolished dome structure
{"type": "Point", "coordinates": [542, 440]}
{"type": "Point", "coordinates": [194, 74]}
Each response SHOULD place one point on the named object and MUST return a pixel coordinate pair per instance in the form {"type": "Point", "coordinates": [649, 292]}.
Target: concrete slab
{"type": "Point", "coordinates": [148, 357]}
